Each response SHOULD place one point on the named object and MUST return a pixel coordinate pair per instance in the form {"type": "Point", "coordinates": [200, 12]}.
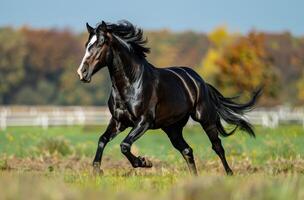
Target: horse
{"type": "Point", "coordinates": [145, 97]}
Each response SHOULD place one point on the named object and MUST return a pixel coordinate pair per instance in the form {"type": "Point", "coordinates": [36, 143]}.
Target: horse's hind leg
{"type": "Point", "coordinates": [208, 122]}
{"type": "Point", "coordinates": [176, 137]}
{"type": "Point", "coordinates": [217, 145]}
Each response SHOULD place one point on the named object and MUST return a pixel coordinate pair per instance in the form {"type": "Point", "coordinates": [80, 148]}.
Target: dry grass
{"type": "Point", "coordinates": [57, 166]}
{"type": "Point", "coordinates": [241, 166]}
{"type": "Point", "coordinates": [53, 177]}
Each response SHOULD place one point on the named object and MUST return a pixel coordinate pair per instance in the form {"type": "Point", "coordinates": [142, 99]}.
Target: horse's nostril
{"type": "Point", "coordinates": [84, 74]}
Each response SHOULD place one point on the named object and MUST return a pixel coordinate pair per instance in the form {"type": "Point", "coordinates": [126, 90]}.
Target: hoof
{"type": "Point", "coordinates": [146, 163]}
{"type": "Point", "coordinates": [96, 170]}
{"type": "Point", "coordinates": [229, 173]}
{"type": "Point", "coordinates": [194, 173]}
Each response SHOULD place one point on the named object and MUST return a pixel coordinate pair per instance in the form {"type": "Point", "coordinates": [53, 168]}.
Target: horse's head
{"type": "Point", "coordinates": [104, 40]}
{"type": "Point", "coordinates": [96, 53]}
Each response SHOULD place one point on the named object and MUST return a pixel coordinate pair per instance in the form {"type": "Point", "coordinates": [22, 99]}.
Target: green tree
{"type": "Point", "coordinates": [12, 56]}
{"type": "Point", "coordinates": [300, 87]}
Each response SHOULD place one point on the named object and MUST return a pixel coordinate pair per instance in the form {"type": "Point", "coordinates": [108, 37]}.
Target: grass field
{"type": "Point", "coordinates": [56, 164]}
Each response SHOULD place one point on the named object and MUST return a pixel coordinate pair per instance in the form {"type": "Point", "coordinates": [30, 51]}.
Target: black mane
{"type": "Point", "coordinates": [130, 34]}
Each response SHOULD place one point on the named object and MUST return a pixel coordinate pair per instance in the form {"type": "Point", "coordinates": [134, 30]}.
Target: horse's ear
{"type": "Point", "coordinates": [102, 27]}
{"type": "Point", "coordinates": [89, 28]}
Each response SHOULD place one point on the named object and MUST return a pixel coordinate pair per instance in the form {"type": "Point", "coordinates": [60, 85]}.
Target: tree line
{"type": "Point", "coordinates": [38, 66]}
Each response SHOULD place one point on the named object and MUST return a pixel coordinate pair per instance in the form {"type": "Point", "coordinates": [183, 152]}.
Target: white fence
{"type": "Point", "coordinates": [52, 116]}
{"type": "Point", "coordinates": [75, 115]}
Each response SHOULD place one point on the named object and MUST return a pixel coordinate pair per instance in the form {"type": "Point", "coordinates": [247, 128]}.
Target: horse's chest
{"type": "Point", "coordinates": [124, 116]}
{"type": "Point", "coordinates": [128, 104]}
{"type": "Point", "coordinates": [124, 111]}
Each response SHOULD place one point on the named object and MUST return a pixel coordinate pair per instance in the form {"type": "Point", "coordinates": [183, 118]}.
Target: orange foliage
{"type": "Point", "coordinates": [245, 65]}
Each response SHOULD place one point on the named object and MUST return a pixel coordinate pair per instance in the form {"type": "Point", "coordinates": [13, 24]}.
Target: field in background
{"type": "Point", "coordinates": [55, 163]}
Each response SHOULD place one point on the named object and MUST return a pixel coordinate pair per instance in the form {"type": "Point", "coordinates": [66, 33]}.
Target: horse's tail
{"type": "Point", "coordinates": [230, 111]}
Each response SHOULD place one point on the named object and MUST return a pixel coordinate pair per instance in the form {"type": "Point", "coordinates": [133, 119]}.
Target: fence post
{"type": "Point", "coordinates": [3, 120]}
{"type": "Point", "coordinates": [265, 120]}
{"type": "Point", "coordinates": [275, 120]}
{"type": "Point", "coordinates": [45, 121]}
{"type": "Point", "coordinates": [81, 117]}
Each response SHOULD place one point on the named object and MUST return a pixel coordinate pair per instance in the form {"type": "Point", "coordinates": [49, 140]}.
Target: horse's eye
{"type": "Point", "coordinates": [101, 40]}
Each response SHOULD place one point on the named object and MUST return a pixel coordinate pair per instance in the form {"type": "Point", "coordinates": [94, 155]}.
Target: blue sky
{"type": "Point", "coordinates": [178, 15]}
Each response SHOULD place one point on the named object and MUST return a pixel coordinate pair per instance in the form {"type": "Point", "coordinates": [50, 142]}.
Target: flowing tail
{"type": "Point", "coordinates": [230, 111]}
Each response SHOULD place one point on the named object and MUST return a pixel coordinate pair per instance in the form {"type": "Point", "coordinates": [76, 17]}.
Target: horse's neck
{"type": "Point", "coordinates": [125, 72]}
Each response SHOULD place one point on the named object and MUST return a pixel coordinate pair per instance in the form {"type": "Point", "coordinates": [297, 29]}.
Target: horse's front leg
{"type": "Point", "coordinates": [126, 144]}
{"type": "Point", "coordinates": [113, 129]}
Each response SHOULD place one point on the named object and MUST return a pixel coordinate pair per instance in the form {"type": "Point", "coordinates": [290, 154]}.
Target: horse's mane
{"type": "Point", "coordinates": [131, 36]}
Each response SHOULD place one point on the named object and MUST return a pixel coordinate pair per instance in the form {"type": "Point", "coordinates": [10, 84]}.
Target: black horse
{"type": "Point", "coordinates": [145, 97]}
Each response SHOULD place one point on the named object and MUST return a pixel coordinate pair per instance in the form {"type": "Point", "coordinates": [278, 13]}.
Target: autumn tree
{"type": "Point", "coordinates": [176, 49]}
{"type": "Point", "coordinates": [219, 39]}
{"type": "Point", "coordinates": [245, 65]}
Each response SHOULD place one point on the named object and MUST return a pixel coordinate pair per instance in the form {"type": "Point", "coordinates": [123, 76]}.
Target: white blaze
{"type": "Point", "coordinates": [86, 55]}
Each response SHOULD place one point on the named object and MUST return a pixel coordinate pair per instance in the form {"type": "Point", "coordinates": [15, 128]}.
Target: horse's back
{"type": "Point", "coordinates": [185, 79]}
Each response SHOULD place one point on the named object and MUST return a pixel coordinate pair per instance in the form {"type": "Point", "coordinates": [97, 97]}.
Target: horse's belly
{"type": "Point", "coordinates": [170, 112]}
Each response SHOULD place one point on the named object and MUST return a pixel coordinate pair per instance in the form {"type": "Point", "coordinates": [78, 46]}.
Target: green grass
{"type": "Point", "coordinates": [56, 162]}
{"type": "Point", "coordinates": [284, 142]}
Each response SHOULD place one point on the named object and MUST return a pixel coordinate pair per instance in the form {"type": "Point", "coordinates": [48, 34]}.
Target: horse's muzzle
{"type": "Point", "coordinates": [84, 75]}
{"type": "Point", "coordinates": [85, 80]}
